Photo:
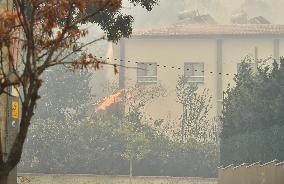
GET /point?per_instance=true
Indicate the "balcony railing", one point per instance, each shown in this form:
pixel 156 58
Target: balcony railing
pixel 195 79
pixel 147 79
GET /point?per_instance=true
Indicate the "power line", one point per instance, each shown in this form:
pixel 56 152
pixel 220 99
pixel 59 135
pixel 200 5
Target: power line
pixel 182 67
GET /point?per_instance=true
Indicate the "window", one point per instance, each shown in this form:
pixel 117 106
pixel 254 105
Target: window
pixel 194 72
pixel 147 72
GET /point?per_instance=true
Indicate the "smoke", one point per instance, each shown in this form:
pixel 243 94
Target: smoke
pixel 168 10
pixel 270 9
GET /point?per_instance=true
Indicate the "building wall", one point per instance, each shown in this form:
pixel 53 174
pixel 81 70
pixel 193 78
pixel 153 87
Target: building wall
pixel 169 53
pixel 268 173
pixel 2 118
pixel 281 47
pixel 235 50
pixel 220 58
pixel 2 98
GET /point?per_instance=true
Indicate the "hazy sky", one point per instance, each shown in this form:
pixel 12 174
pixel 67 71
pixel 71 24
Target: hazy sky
pixel 168 10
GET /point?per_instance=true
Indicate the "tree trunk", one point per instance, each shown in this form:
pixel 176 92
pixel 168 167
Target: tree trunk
pixel 130 171
pixel 130 168
pixel 4 179
pixel 183 121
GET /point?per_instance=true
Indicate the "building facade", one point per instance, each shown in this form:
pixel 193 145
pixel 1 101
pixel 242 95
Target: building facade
pixel 208 54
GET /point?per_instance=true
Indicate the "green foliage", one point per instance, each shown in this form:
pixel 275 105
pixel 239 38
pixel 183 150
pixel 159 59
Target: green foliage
pixel 95 147
pixel 148 4
pixel 168 158
pixel 72 146
pixel 105 145
pixel 64 92
pixel 196 106
pixel 116 24
pixel 253 116
pixel 256 102
pixel 112 21
pixel 259 146
pixel 136 144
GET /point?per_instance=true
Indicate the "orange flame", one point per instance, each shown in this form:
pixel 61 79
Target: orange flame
pixel 108 101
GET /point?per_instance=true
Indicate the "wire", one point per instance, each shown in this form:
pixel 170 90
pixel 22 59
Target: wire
pixel 187 69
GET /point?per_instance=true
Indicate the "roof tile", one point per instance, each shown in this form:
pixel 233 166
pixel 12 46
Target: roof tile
pixel 209 29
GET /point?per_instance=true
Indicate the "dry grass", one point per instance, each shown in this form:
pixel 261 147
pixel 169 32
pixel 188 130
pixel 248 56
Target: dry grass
pixel 91 179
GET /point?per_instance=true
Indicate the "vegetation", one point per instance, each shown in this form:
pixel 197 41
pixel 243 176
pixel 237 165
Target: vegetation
pixel 256 102
pixel 135 142
pixel 47 33
pixel 196 106
pixel 259 146
pixel 99 147
pixel 111 143
pixel 253 109
pixel 64 93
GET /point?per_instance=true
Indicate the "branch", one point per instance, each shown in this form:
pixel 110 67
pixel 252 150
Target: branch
pixel 80 48
pixel 19 94
pixel 58 40
pixel 93 62
pixel 85 18
pixel 7 93
pixel 22 19
pixel 27 113
pixel 69 25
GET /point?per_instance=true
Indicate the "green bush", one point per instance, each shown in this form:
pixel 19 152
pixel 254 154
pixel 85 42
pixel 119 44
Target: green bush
pixel 256 102
pixel 89 147
pixel 259 146
pixel 253 116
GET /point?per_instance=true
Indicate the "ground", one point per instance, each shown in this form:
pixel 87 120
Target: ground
pixel 91 179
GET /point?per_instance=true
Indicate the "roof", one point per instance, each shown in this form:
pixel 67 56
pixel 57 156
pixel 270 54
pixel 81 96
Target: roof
pixel 258 20
pixel 245 30
pixel 200 19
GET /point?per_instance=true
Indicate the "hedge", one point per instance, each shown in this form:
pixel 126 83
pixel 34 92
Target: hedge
pixel 259 146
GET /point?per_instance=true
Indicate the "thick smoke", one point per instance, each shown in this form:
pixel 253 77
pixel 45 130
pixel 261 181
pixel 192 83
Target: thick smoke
pixel 222 10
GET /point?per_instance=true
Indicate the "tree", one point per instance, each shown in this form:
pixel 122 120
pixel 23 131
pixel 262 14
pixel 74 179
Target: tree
pixel 96 140
pixel 253 115
pixel 47 34
pixel 73 146
pixel 256 101
pixel 60 141
pixel 64 92
pixel 88 146
pixel 136 144
pixel 105 145
pixel 133 130
pixel 141 95
pixel 194 118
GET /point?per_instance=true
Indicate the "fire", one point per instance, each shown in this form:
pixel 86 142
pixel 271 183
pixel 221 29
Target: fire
pixel 108 101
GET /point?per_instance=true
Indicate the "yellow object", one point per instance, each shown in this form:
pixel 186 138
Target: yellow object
pixel 15 109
